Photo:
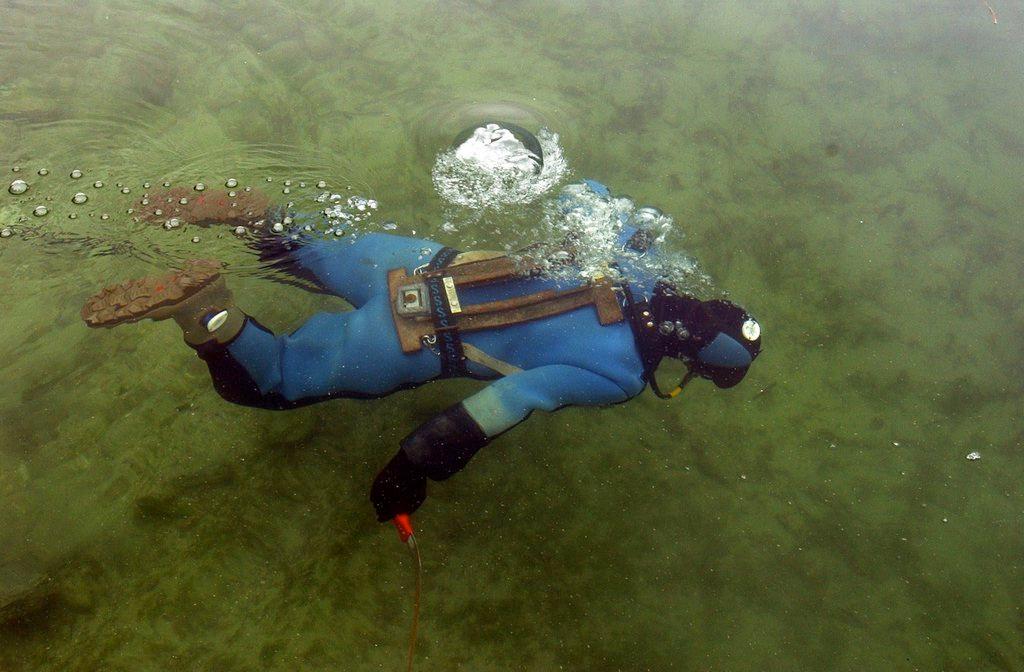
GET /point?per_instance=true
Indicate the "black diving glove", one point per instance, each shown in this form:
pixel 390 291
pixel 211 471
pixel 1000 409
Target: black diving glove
pixel 400 487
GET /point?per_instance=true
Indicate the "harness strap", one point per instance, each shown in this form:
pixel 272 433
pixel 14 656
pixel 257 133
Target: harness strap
pixel 426 308
pixel 449 343
pixel 443 257
pixel 475 354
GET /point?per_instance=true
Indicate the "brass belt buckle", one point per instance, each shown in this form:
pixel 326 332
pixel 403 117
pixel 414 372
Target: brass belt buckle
pixel 411 300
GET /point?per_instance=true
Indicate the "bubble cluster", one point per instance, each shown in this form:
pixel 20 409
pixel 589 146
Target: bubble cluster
pixel 6 232
pixel 480 185
pixel 18 187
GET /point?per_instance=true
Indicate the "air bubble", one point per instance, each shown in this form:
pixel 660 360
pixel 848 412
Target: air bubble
pixel 199 186
pixel 270 179
pixel 130 210
pixel 372 204
pixel 339 233
pixel 172 223
pixel 278 227
pixel 239 230
pixel 287 183
pixel 98 184
pixel 166 184
pixel 158 212
pixel 125 190
pixel 104 216
pixel 40 211
pixel 195 239
pixel 79 198
pixel 389 226
pixel 302 184
pixel 144 201
pixel 286 190
pixel 232 194
pixel 182 201
pixel 321 185
pixel 75 174
pixel 18 187
pixel 145 185
pixel 248 189
pixel 6 233
pixel 44 172
pixel 231 183
pixel 16 169
pixel 73 215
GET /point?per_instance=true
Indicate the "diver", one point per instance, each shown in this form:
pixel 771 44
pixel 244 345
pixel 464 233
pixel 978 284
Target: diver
pixel 424 312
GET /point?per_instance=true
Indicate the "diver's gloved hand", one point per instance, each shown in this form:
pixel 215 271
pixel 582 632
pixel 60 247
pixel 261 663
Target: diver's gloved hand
pixel 400 487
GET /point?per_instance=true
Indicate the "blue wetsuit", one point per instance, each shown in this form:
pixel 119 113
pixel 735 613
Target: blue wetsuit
pixel 567 359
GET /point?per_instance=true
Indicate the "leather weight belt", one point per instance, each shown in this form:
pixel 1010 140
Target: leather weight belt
pixel 427 311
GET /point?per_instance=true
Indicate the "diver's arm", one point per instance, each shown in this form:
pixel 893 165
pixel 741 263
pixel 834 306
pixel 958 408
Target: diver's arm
pixel 443 445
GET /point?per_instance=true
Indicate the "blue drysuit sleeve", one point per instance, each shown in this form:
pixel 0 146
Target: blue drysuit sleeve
pixel 444 444
pixel 508 401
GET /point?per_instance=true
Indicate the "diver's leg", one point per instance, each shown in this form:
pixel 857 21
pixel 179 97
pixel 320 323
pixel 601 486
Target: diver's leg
pixel 195 297
pixel 353 267
pixel 351 354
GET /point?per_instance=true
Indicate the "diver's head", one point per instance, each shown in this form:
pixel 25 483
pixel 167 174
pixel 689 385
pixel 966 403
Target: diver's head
pixel 500 145
pixel 717 339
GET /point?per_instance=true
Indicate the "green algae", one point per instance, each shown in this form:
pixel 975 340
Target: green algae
pixel 849 171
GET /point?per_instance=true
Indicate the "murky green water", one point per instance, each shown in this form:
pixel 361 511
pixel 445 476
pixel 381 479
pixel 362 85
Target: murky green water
pixel 850 171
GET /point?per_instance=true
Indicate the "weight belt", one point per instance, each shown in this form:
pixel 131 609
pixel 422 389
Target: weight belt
pixel 426 308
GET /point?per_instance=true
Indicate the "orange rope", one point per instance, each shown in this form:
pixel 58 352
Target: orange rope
pixel 415 548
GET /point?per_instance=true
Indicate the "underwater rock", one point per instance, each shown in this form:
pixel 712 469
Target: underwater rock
pixel 23 592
